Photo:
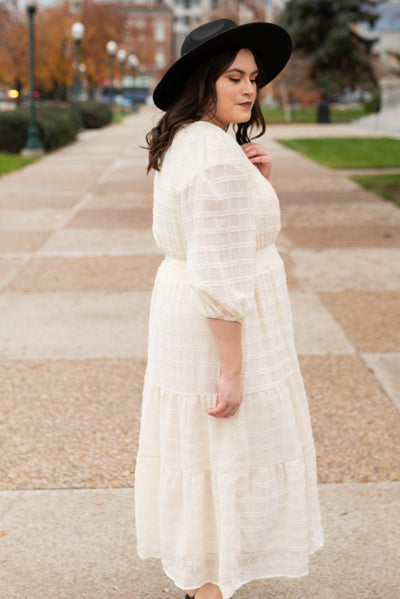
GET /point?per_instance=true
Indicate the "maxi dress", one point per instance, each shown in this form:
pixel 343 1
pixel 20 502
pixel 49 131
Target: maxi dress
pixel 222 500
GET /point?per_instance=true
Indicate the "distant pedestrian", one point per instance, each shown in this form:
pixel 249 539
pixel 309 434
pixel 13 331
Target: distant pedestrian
pixel 225 487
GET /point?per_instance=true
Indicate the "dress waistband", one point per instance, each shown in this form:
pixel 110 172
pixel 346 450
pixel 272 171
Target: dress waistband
pixel 266 258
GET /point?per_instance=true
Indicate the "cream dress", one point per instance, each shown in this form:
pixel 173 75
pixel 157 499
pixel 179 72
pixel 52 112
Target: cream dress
pixel 222 500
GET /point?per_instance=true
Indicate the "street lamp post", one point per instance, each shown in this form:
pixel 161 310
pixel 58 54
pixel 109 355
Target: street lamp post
pixel 77 31
pixel 111 48
pixel 133 63
pixel 121 56
pixel 33 146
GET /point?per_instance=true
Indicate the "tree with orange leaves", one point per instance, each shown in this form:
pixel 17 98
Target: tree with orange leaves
pixel 54 50
pixel 54 47
pixel 13 47
pixel 102 23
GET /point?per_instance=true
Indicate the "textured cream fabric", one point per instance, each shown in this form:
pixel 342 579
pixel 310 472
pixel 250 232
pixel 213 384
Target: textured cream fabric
pixel 222 500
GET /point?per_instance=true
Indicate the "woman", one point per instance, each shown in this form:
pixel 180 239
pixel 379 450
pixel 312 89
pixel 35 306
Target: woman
pixel 225 488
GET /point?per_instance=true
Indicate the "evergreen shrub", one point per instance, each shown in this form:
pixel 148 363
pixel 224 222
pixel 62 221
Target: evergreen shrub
pixel 57 126
pixel 374 104
pixel 95 114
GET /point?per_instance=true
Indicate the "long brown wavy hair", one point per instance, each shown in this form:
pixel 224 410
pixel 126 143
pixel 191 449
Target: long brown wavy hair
pixel 197 99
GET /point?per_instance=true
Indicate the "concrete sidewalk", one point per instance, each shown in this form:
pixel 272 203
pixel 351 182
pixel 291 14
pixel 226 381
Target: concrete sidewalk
pixel 77 262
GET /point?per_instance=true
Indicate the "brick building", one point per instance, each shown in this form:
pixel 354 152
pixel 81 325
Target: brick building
pixel 148 35
pixel 155 29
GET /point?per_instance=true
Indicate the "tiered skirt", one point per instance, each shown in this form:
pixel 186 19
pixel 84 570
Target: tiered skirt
pixel 225 500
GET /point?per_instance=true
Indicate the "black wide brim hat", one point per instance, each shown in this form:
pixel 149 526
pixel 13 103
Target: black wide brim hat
pixel 271 44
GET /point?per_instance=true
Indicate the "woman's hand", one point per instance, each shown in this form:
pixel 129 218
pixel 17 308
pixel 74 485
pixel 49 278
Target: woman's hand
pixel 260 157
pixel 230 394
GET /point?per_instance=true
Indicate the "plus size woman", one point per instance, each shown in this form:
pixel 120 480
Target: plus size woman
pixel 225 485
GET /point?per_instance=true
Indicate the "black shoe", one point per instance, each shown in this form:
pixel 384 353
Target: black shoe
pixel 189 597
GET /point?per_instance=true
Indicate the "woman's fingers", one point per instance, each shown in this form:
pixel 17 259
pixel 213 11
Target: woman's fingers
pixel 223 410
pixel 220 411
pixel 256 150
pixel 259 159
pixel 252 149
pixel 229 396
pixel 259 156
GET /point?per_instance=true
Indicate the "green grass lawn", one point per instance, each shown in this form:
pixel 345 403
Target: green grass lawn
pixel 12 162
pixel 349 152
pixel 308 115
pixel 387 186
pixel 117 117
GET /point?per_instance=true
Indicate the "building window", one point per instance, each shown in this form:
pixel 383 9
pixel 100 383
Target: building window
pixel 159 31
pixel 159 58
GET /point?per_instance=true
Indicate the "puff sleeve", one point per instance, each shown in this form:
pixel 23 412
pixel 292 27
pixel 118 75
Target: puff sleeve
pixel 219 228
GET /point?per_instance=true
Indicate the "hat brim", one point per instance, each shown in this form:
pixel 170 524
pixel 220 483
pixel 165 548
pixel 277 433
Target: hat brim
pixel 271 43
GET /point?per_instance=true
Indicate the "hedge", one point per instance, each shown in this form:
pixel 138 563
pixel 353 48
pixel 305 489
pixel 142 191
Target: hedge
pixel 58 125
pixel 13 131
pixel 95 115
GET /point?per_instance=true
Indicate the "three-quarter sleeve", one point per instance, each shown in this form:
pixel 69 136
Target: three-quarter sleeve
pixel 219 227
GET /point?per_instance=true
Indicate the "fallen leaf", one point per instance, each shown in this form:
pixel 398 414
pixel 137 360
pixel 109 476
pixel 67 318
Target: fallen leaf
pixel 3 533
